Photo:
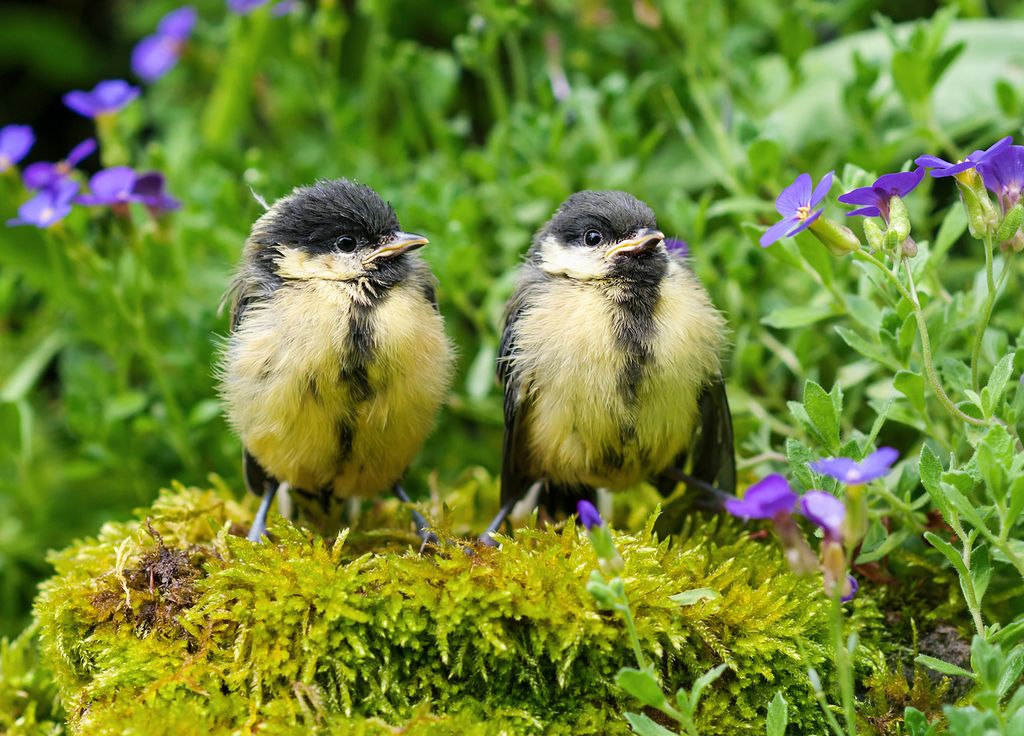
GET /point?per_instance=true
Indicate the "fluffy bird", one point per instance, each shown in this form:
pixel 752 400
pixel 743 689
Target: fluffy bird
pixel 610 361
pixel 337 361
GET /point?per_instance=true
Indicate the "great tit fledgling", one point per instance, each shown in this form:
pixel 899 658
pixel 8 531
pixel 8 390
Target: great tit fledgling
pixel 610 361
pixel 337 361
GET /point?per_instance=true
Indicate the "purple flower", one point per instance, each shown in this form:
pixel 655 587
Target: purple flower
pixel 149 190
pixel 854 587
pixel 876 197
pixel 43 174
pixel 109 186
pixel 765 499
pixel 588 515
pixel 940 167
pixel 244 6
pixel 106 98
pixel 48 206
pixel 826 511
pixel 1003 174
pixel 15 143
pixel 795 204
pixel 284 8
pixel 155 55
pixel 852 473
pixel 677 247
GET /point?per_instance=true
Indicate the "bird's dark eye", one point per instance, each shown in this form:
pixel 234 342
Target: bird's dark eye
pixel 592 238
pixel 345 244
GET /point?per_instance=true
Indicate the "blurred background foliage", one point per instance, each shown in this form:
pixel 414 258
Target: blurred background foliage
pixel 475 119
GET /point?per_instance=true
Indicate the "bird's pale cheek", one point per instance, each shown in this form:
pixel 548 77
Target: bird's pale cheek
pixel 300 265
pixel 577 262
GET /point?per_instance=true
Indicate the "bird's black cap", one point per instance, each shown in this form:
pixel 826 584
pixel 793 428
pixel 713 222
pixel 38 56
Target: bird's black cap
pixel 616 215
pixel 317 215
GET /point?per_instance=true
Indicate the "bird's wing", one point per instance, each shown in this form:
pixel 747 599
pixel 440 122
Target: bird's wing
pixel 714 456
pixel 712 461
pixel 514 473
pixel 256 477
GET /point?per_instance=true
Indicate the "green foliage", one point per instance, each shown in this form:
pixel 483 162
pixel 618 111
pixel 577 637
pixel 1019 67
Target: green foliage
pixel 178 616
pixel 27 691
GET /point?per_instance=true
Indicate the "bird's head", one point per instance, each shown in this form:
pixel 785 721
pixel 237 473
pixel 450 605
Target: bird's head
pixel 599 235
pixel 334 230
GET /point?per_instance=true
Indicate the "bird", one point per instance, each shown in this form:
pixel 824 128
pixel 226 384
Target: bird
pixel 611 363
pixel 337 361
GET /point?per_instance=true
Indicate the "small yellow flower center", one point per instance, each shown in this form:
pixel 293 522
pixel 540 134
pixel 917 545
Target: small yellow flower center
pixel 5 162
pixel 63 168
pixel 802 213
pixel 46 215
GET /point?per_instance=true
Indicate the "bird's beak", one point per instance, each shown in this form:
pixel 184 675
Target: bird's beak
pixel 643 241
pixel 400 243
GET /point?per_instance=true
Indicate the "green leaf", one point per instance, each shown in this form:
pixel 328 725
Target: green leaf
pixel 911 385
pixel 949 551
pixel 867 349
pixel 822 413
pixel 864 311
pixel 915 723
pixel 931 478
pixel 981 571
pixel 1012 669
pixel 778 716
pixel 702 682
pixel 791 317
pixel 953 226
pixel 944 667
pixel 644 726
pixel 690 597
pixel 890 543
pixel 998 382
pixel 28 370
pixel 642 686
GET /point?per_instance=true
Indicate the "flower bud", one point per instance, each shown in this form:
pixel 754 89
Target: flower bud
pixel 899 220
pixel 909 248
pixel 855 523
pixel 833 565
pixel 981 213
pixel 873 233
pixel 839 239
pixel 799 556
pixel 1011 223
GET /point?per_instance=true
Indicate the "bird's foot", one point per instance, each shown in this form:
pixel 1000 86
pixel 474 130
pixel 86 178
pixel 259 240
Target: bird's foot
pixel 258 530
pixel 427 537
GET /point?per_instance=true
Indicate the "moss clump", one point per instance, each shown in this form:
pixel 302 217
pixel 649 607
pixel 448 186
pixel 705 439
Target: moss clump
pixel 27 693
pixel 177 625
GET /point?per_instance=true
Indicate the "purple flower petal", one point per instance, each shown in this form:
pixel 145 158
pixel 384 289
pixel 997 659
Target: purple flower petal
pixel 778 231
pixel 850 472
pixel 81 152
pixel 854 587
pixel 865 212
pixel 178 23
pixel 44 209
pixel 284 8
pixel 677 247
pixel 768 497
pixel 1003 174
pixel 110 186
pixel 149 190
pixel 107 97
pixel 588 515
pixel 796 195
pixel 824 510
pixel 804 224
pixel 15 143
pixel 154 56
pixel 861 195
pixel 899 184
pixel 244 6
pixel 822 189
pixel 40 174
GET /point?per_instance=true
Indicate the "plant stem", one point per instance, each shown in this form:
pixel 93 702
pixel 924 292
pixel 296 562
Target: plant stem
pixel 926 344
pixel 843 669
pixel 986 313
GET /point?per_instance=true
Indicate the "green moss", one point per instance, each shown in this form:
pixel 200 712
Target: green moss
pixel 180 623
pixel 27 692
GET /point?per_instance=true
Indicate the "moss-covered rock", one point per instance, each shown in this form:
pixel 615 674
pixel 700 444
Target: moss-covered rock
pixel 177 625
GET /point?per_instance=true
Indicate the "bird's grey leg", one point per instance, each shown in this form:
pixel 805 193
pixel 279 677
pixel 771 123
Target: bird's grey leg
pixel 496 522
pixel 714 498
pixel 258 530
pixel 422 527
